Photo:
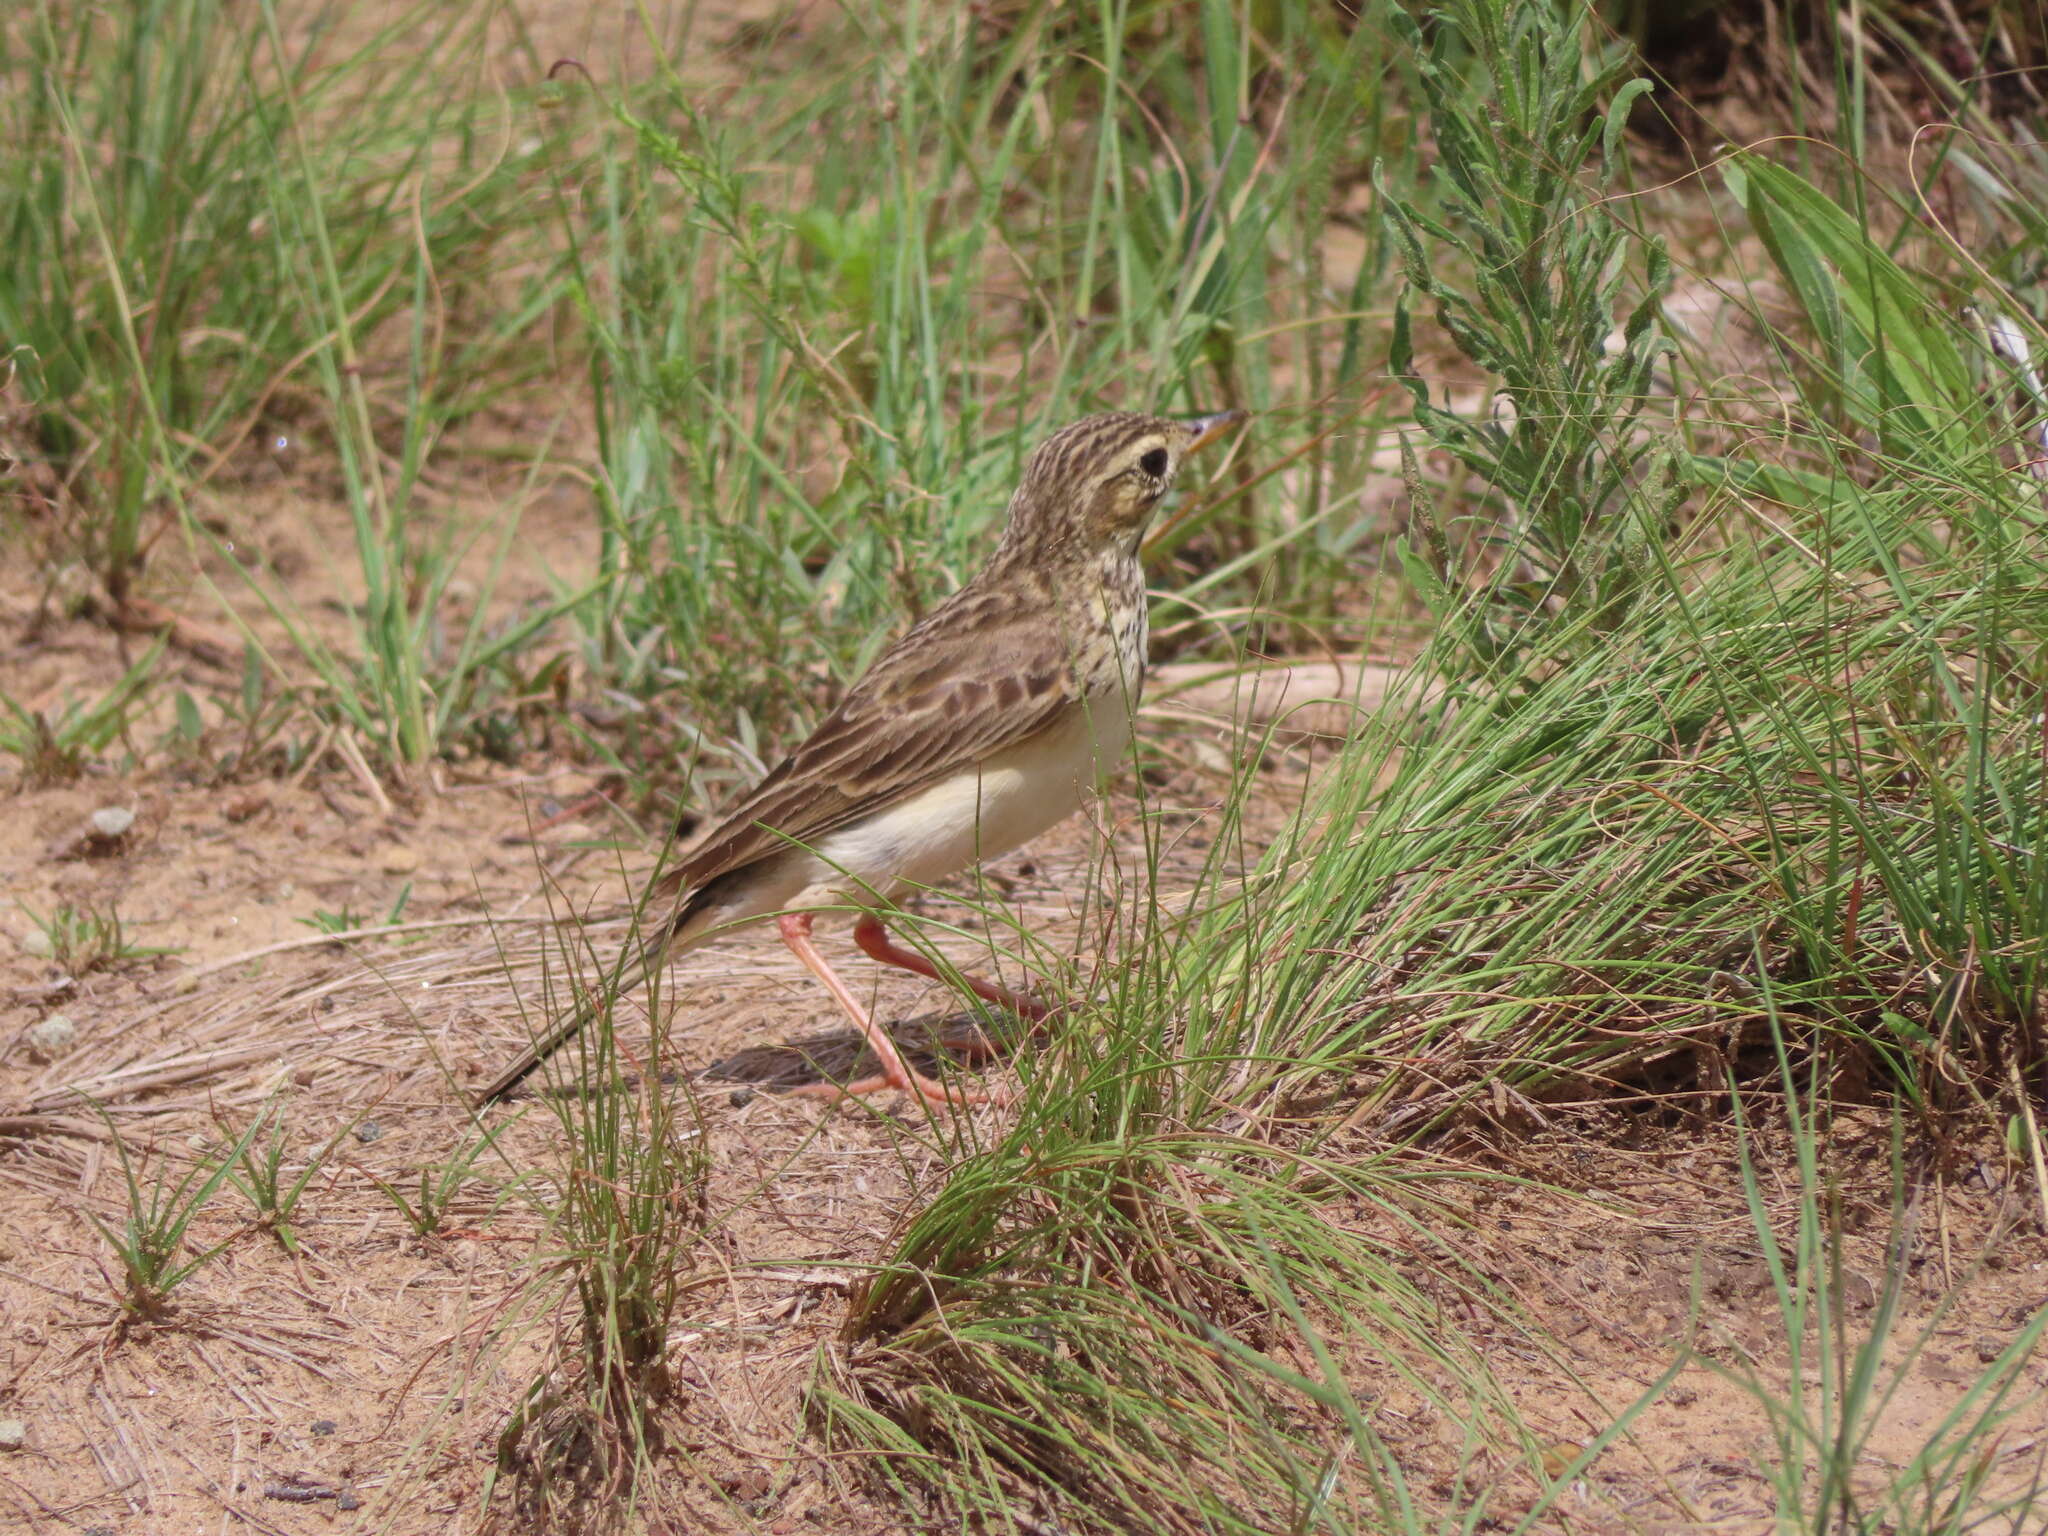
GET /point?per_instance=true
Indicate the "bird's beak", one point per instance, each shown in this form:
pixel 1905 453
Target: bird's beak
pixel 1207 429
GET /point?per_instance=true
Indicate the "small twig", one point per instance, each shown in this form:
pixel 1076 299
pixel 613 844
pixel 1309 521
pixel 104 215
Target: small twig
pixel 162 1076
pixel 140 616
pixel 352 754
pixel 314 941
pixel 119 1422
pixel 97 1302
pixel 49 1125
pixel 313 757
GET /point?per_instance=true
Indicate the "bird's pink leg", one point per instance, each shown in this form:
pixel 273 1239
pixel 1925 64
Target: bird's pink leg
pixel 896 1072
pixel 871 936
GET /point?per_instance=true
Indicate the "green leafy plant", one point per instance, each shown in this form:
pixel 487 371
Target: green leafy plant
pixel 630 1207
pixel 150 1244
pixel 86 937
pixel 425 1210
pixel 1525 271
pixel 55 747
pixel 249 734
pixel 348 920
pixel 262 1173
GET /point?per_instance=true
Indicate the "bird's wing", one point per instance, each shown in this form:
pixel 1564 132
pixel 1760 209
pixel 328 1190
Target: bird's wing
pixel 955 690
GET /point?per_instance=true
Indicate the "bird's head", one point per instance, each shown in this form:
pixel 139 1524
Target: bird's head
pixel 1091 489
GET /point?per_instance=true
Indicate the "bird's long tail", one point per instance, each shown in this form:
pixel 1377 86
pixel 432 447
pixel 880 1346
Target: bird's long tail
pixel 682 931
pixel 562 1031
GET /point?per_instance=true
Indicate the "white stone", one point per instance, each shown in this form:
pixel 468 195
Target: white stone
pixel 52 1037
pixel 112 820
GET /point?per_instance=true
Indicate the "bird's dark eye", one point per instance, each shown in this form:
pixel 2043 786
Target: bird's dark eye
pixel 1154 463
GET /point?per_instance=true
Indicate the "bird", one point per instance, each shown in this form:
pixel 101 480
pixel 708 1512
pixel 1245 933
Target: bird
pixel 989 721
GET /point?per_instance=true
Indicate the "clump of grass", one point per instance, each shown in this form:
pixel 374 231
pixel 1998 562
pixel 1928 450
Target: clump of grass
pixel 630 1205
pixel 1141 1266
pixel 347 920
pixel 84 937
pixel 1838 1385
pixel 155 312
pixel 405 690
pixel 128 222
pixel 150 1244
pixel 1072 1328
pixel 263 1174
pixel 426 1209
pixel 53 748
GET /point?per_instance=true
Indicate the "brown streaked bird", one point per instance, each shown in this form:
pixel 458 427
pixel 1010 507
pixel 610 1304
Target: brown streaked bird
pixel 988 722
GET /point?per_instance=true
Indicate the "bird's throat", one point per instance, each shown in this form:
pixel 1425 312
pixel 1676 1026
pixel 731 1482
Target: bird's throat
pixel 1115 652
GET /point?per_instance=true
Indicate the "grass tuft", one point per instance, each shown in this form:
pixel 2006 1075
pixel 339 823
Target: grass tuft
pixel 629 1210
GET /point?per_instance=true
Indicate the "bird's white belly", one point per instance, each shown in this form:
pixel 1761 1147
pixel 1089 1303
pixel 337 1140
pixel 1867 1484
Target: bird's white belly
pixel 977 813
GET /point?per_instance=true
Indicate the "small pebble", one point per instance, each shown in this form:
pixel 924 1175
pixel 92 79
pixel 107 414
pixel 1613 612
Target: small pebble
pixel 1558 1457
pixel 740 1098
pixel 305 1077
pixel 368 1132
pixel 36 942
pixel 52 1038
pixel 243 807
pixel 748 1485
pixel 346 1499
pixel 399 860
pixel 1989 1350
pixel 112 821
pixel 322 1427
pixel 13 1434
